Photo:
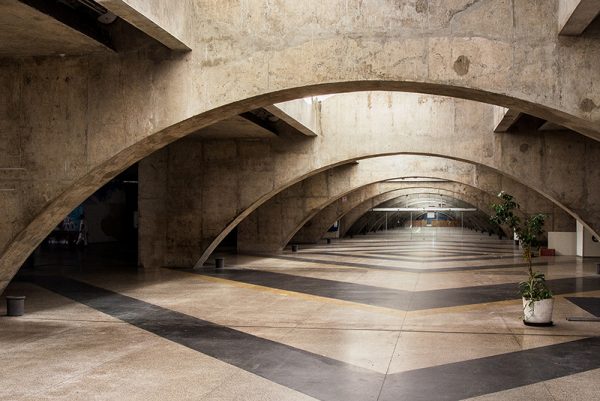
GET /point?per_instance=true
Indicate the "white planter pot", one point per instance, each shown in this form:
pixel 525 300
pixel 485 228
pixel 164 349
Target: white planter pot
pixel 538 313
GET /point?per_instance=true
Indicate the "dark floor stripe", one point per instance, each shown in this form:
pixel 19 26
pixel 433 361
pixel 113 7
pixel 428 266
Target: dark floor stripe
pixel 449 247
pixel 462 251
pixel 414 259
pixel 589 304
pixel 328 379
pixel 389 248
pixel 312 374
pixel 396 299
pixel 397 268
pixel 409 243
pixel 457 381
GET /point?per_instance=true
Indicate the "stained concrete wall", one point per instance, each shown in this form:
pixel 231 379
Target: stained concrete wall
pixel 112 110
pixel 165 21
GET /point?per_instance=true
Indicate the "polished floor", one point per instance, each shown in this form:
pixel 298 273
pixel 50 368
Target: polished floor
pixel 431 314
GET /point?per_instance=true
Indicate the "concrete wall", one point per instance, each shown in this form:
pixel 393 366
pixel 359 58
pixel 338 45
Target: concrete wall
pixel 564 243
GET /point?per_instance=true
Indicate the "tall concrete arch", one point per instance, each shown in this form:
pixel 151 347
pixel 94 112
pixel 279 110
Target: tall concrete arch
pixel 118 109
pixel 316 228
pixel 529 157
pixel 270 227
pixel 376 194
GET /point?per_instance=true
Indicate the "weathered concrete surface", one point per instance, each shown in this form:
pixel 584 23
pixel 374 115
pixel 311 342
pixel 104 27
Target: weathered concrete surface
pixel 304 116
pixel 114 110
pixel 163 21
pixel 504 118
pixel 574 16
pixel 26 31
pixel 152 199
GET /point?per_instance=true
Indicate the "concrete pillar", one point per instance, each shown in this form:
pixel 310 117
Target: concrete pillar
pixel 152 207
pixel 587 244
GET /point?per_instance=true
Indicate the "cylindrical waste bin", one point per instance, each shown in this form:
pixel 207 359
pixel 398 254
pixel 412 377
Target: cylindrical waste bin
pixel 597 268
pixel 15 305
pixel 294 248
pixel 328 240
pixel 219 263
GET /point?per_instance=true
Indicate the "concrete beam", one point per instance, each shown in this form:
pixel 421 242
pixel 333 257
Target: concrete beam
pixel 550 126
pixel 279 123
pixel 158 19
pixel 505 119
pixel 298 114
pixel 47 28
pixel 574 16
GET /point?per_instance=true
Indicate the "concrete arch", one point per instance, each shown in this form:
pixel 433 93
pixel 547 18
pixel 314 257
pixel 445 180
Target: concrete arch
pixel 320 223
pixel 353 216
pixel 478 222
pixel 423 195
pixel 368 222
pixel 460 193
pixel 270 227
pixel 232 78
pixel 548 163
pixel 324 156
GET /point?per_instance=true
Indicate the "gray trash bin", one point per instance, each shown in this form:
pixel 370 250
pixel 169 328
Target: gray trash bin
pixel 15 305
pixel 219 263
pixel 294 248
pixel 597 268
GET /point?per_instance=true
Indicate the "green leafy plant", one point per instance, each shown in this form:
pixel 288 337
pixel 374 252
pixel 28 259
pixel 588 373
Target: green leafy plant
pixel 528 232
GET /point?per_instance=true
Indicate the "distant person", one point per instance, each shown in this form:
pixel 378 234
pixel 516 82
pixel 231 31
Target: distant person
pixel 82 237
pixel 68 224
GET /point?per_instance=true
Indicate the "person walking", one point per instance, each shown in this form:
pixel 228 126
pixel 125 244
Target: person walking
pixel 82 237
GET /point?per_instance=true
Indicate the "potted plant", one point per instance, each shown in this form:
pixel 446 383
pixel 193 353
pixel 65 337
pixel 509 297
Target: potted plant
pixel 537 297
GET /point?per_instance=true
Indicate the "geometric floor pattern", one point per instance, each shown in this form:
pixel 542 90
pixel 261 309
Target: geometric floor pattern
pixel 429 315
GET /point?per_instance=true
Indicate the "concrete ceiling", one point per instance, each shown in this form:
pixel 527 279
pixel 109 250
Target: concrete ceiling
pixel 25 31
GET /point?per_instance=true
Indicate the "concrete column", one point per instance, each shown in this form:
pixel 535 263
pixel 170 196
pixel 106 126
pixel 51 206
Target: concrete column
pixel 152 206
pixel 588 245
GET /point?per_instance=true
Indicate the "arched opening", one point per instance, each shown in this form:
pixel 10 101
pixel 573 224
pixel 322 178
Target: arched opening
pixel 32 235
